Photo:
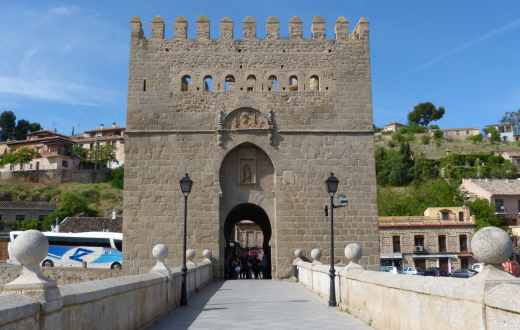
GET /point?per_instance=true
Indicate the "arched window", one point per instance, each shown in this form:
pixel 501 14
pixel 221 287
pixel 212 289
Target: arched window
pixel 274 84
pixel 251 82
pixel 208 83
pixel 229 81
pixel 293 83
pixel 185 83
pixel 314 83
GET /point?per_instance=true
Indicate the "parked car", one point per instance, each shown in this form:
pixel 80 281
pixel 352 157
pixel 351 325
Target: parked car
pixel 435 271
pixel 464 273
pixel 410 271
pixel 389 269
pixel 477 267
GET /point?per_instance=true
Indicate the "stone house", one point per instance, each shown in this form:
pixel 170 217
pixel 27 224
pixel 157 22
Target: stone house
pixel 114 136
pixel 460 133
pixel 259 123
pixel 55 152
pixel 439 238
pixel 507 131
pixel 392 127
pixel 504 194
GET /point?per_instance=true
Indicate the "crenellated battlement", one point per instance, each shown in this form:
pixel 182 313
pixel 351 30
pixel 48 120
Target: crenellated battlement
pixel 249 29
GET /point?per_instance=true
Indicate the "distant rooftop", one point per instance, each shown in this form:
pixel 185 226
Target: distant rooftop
pixel 495 186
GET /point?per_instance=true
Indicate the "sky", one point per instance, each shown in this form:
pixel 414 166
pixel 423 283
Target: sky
pixel 65 63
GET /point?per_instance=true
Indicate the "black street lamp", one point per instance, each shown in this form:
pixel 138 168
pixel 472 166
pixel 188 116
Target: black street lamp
pixel 186 184
pixel 332 187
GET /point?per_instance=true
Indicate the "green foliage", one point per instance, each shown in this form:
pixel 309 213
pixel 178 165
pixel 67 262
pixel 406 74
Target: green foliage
pixel 393 166
pixel 455 167
pixel 484 214
pixel 413 128
pixel 10 129
pixel 438 136
pixel 7 125
pixel 69 204
pixel 424 113
pixel 476 139
pixel 494 136
pixel 28 224
pixel 116 177
pixel 21 156
pixel 414 199
pixel 426 139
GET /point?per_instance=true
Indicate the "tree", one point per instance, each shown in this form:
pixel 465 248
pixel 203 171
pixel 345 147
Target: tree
pixel 34 127
pixel 21 130
pixel 476 139
pixel 7 125
pixel 424 113
pixel 484 214
pixel 21 156
pixel 69 204
pixel 426 139
pixel 492 133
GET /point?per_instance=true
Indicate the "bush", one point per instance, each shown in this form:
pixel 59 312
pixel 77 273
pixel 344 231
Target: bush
pixel 414 199
pixel 484 214
pixel 426 139
pixel 476 139
pixel 116 177
pixel 69 204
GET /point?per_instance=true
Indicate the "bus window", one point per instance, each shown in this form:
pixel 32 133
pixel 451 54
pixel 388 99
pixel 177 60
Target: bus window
pixel 79 241
pixel 119 245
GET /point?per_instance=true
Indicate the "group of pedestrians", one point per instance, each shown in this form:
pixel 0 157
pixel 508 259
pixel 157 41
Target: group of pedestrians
pixel 247 266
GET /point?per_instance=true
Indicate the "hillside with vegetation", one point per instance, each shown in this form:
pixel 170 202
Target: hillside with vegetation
pixel 417 167
pixel 71 199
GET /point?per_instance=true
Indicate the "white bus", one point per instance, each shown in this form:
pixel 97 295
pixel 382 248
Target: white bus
pixel 90 249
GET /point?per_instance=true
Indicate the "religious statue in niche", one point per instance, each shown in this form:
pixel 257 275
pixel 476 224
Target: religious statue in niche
pixel 247 171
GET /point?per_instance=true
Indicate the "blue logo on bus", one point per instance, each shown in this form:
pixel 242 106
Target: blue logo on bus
pixel 80 253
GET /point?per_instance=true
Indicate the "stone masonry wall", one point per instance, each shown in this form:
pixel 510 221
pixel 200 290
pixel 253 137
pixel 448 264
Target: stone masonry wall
pixel 309 133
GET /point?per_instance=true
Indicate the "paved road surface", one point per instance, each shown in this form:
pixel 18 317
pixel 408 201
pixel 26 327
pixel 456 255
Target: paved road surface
pixel 255 304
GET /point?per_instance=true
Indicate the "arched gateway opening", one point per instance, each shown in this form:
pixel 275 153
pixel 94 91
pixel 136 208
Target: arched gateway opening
pixel 246 208
pixel 239 248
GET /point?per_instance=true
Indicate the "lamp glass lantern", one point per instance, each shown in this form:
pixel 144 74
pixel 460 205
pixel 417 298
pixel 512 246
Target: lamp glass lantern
pixel 186 184
pixel 332 184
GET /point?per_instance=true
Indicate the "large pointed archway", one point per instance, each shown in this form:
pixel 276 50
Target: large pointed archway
pixel 247 182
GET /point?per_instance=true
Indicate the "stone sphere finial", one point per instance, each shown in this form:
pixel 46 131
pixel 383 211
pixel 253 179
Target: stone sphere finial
pixel 316 254
pixel 206 253
pixel 353 252
pixel 491 245
pixel 30 248
pixel 190 254
pixel 160 252
pixel 298 253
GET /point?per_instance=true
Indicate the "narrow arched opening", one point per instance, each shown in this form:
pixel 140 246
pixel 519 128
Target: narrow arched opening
pixel 274 84
pixel 208 83
pixel 314 83
pixel 229 81
pixel 293 83
pixel 185 83
pixel 251 83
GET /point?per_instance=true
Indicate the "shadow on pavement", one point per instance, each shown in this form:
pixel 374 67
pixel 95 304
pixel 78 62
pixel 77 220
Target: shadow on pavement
pixel 183 317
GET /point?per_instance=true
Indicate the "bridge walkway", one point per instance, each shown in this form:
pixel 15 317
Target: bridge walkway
pixel 257 304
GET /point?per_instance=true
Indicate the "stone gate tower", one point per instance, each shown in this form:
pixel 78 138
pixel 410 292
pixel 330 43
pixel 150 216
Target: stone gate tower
pixel 258 123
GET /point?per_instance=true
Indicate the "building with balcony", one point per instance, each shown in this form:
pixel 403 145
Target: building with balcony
pixel 114 136
pixel 504 194
pixel 439 238
pixel 54 149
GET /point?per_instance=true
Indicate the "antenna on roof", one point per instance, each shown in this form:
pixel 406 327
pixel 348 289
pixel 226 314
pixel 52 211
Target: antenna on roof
pixel 72 134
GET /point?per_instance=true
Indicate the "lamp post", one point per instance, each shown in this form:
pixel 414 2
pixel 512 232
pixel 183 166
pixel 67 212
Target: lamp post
pixel 186 184
pixel 332 187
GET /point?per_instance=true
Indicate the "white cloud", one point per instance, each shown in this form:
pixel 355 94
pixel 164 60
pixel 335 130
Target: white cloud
pixel 64 10
pixel 70 60
pixel 490 34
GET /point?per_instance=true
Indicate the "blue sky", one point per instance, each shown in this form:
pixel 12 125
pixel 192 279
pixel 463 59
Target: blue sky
pixel 65 63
